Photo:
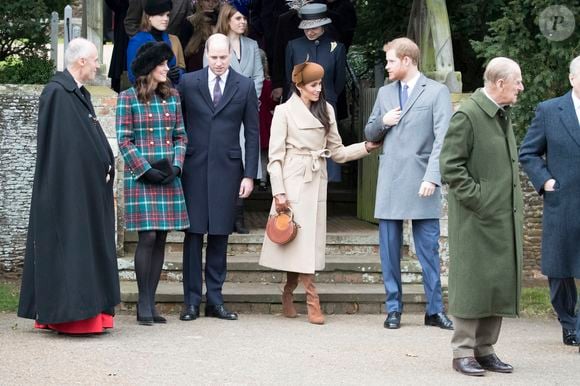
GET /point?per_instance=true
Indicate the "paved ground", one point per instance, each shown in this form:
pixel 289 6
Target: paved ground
pixel 264 349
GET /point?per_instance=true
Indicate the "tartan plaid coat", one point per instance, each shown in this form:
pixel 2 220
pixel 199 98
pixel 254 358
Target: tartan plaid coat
pixel 147 133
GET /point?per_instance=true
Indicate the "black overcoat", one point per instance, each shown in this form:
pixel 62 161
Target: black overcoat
pixel 213 167
pixel 551 149
pixel 70 267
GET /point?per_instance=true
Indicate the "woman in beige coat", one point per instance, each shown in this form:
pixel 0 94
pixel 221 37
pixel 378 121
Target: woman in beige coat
pixel 303 135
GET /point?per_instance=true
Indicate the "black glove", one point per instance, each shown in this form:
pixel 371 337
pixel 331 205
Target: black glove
pixel 169 179
pixel 154 176
pixel 173 74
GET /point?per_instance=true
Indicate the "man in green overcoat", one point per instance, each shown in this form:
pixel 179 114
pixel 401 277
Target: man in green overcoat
pixel 479 162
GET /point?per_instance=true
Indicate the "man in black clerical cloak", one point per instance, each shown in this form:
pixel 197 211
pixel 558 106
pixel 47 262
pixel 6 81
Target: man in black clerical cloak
pixel 70 266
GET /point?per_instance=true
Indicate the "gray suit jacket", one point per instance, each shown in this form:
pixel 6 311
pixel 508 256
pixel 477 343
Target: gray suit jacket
pixel 411 149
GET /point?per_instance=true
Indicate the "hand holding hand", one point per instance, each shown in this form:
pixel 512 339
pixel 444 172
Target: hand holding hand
pixel 392 117
pixel 169 179
pixel 281 203
pixel 370 145
pixel 427 189
pixel 154 176
pixel 550 185
pixel 246 187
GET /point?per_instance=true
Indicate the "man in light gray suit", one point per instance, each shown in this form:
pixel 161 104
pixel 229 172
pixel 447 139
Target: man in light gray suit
pixel 411 116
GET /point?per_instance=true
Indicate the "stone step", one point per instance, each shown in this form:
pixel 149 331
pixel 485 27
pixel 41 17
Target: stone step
pixel 266 298
pixel 362 243
pixel 352 269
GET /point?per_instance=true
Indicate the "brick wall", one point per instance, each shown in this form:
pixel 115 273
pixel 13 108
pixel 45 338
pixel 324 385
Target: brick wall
pixel 18 117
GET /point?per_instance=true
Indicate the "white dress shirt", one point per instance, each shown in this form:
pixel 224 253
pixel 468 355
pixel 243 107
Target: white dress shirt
pixel 211 77
pixel 411 84
pixel 576 102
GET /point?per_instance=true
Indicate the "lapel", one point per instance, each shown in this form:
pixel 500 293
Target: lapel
pixel 417 91
pixel 232 84
pixel 302 117
pixel 568 117
pixel 202 83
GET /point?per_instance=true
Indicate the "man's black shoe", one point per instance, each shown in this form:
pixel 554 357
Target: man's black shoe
pixel 439 320
pixel 189 313
pixel 492 363
pixel 468 366
pixel 569 337
pixel 393 320
pixel 219 311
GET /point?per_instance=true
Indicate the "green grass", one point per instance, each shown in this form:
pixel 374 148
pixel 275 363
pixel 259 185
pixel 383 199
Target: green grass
pixel 8 296
pixel 536 303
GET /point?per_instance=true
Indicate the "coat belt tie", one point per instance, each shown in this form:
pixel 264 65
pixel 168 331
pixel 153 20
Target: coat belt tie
pixel 314 161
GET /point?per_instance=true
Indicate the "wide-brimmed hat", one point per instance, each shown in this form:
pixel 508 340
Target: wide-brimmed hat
pixel 149 56
pixel 313 16
pixel 241 6
pixel 307 72
pixel 157 7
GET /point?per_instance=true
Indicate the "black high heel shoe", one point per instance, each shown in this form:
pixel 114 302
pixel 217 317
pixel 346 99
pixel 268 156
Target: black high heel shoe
pixel 144 320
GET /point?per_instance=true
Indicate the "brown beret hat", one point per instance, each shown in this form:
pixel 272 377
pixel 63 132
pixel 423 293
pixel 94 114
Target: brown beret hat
pixel 307 72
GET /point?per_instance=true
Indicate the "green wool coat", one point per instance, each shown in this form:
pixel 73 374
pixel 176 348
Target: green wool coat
pixel 479 162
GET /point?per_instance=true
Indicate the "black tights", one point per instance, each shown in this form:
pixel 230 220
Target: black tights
pixel 149 258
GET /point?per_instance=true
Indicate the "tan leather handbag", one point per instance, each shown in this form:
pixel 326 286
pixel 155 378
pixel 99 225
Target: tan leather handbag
pixel 281 227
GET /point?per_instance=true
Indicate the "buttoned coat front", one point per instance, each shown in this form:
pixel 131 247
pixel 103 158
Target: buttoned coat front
pixel 299 146
pixel 410 149
pixel 479 161
pixel 146 133
pixel 213 167
pixel 551 149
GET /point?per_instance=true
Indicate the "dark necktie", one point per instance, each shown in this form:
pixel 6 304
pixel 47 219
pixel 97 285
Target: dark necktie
pixel 217 91
pixel 404 95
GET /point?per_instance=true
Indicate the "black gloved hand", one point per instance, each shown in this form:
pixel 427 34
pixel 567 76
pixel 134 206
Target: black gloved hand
pixel 154 176
pixel 169 179
pixel 173 74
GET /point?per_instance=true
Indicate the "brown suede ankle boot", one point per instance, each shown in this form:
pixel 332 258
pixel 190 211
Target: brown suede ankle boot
pixel 288 309
pixel 312 302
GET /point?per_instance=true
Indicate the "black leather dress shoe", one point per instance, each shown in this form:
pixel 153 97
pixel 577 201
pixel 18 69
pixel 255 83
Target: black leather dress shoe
pixel 189 313
pixel 393 320
pixel 439 320
pixel 569 337
pixel 492 363
pixel 468 366
pixel 219 311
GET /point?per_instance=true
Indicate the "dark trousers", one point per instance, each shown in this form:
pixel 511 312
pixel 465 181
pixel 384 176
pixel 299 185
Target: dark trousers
pixel 215 268
pixel 426 237
pixel 564 295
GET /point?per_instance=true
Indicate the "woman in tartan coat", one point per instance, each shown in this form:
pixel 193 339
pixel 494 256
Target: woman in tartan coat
pixel 152 140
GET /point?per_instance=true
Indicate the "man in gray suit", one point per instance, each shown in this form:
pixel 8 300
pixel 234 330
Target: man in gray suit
pixel 411 116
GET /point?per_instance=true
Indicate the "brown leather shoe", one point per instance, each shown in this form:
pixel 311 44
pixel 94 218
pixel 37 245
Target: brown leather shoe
pixel 468 366
pixel 492 363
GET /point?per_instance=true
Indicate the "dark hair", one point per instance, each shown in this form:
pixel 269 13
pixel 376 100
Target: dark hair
pixel 144 88
pixel 318 108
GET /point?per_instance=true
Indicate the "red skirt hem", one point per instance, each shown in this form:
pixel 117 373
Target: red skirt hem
pixel 94 325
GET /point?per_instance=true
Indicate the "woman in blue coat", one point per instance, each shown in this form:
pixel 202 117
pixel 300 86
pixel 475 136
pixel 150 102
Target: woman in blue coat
pixel 152 141
pixel 153 29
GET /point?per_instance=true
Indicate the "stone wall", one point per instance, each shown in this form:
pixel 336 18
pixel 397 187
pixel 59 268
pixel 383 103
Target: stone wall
pixel 18 118
pixel 18 115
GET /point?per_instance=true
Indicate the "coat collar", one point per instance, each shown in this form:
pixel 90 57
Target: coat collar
pixel 486 104
pixel 417 91
pixel 66 80
pixel 301 115
pixel 568 116
pixel 232 85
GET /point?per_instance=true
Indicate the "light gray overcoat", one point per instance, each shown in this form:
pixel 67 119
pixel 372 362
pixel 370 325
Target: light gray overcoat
pixel 411 149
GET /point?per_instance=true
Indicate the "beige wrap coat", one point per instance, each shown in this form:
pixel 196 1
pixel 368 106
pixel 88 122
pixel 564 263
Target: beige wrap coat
pixel 299 146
